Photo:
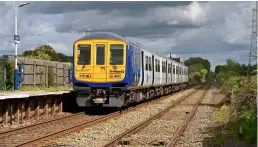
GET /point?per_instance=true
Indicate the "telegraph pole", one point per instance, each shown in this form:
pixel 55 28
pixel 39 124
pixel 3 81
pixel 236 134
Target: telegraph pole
pixel 253 50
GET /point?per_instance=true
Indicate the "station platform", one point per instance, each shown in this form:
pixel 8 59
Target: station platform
pixel 22 106
pixel 26 94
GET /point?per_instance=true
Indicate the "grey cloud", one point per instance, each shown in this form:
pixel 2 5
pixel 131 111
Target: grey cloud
pixel 64 7
pixel 164 19
pixel 214 30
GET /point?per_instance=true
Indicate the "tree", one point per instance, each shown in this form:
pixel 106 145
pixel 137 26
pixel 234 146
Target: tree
pixel 45 52
pixel 204 73
pixel 195 65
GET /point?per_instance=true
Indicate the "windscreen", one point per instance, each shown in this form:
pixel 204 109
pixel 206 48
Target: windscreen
pixel 116 54
pixel 84 54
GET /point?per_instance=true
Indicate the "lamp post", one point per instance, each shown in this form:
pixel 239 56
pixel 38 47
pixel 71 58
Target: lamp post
pixel 16 41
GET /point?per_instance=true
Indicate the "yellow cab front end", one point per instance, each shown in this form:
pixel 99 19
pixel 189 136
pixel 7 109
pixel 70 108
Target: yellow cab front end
pixel 99 61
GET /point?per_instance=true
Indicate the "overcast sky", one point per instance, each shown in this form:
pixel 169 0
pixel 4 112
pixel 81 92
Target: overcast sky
pixel 212 30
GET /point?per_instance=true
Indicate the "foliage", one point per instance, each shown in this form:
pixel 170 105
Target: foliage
pixel 197 60
pixel 9 75
pixel 51 77
pixel 204 73
pixel 196 65
pixel 45 52
pixel 242 91
pixel 196 77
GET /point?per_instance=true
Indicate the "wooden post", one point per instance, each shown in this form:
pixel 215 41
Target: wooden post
pixel 47 84
pixel 34 73
pixel 57 74
pixel 53 105
pixel 22 110
pixel 46 107
pixel 37 108
pixel 11 112
pixel 28 109
pixel 1 110
pixel 64 71
pixel 17 111
pixel 60 110
pixel 5 113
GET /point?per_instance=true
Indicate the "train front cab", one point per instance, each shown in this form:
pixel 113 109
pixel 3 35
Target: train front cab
pixel 98 65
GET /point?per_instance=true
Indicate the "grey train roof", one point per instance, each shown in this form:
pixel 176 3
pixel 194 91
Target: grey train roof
pixel 107 35
pixel 110 35
pixel 102 35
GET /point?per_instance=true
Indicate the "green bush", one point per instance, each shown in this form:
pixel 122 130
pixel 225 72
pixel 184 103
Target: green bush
pixel 242 109
pixel 51 77
pixel 9 75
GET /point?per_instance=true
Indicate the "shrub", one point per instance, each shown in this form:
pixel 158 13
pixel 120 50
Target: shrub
pixel 9 75
pixel 51 77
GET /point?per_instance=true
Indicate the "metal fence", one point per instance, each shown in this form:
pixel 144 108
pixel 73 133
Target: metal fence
pixel 3 73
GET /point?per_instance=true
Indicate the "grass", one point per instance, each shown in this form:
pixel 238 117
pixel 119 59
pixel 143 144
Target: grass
pixel 226 121
pixel 43 88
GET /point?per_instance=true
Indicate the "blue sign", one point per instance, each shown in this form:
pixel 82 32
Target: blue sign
pixel 16 39
pixel 71 74
pixel 22 71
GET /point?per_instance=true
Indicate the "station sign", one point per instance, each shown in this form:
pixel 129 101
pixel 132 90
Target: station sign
pixel 22 72
pixel 16 39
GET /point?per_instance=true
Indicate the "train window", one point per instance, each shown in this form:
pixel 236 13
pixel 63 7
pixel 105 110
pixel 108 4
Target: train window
pixel 164 67
pixel 150 63
pixel 146 63
pixel 100 54
pixel 159 65
pixel 116 54
pixel 84 54
pixel 168 68
pixel 156 66
pixel 173 69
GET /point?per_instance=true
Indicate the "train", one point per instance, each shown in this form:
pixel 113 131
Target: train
pixel 112 71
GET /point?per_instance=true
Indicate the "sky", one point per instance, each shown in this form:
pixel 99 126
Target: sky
pixel 216 31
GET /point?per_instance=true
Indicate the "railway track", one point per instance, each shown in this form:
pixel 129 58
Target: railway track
pixel 124 138
pixel 34 135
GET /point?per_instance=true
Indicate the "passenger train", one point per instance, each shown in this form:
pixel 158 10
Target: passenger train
pixel 111 71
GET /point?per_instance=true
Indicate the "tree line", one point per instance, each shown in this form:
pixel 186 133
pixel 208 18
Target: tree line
pixel 45 52
pixel 199 69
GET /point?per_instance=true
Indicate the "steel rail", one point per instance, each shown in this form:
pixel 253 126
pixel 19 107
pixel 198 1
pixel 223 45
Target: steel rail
pixel 146 122
pixel 35 141
pixel 181 128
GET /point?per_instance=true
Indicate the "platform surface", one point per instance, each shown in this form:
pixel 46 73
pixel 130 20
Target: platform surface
pixel 26 94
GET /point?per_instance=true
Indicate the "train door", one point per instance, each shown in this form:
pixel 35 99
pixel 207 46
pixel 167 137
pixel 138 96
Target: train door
pixel 166 70
pixel 100 52
pixel 153 69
